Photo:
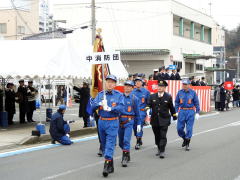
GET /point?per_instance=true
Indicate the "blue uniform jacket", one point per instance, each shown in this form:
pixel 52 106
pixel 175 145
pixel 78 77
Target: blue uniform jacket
pixel 115 101
pixel 143 96
pixel 187 99
pixel 131 108
pixel 57 126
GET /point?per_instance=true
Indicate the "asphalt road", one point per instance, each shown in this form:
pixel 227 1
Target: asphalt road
pixel 214 155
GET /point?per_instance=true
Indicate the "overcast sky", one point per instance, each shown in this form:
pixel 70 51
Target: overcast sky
pixel 225 12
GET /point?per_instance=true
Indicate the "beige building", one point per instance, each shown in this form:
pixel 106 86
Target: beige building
pixel 18 23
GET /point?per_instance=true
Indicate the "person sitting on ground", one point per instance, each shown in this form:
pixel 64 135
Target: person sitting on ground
pixel 59 128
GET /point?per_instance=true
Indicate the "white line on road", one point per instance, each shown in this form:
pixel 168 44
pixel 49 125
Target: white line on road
pixel 145 149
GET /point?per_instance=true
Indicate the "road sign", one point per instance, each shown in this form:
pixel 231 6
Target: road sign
pixel 102 57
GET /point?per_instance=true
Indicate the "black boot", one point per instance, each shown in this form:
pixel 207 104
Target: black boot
pixel 187 148
pixel 129 159
pixel 106 168
pixel 184 142
pixel 162 155
pixel 137 147
pixel 125 159
pixel 100 153
pixel 111 167
pixel 140 141
pixel 53 141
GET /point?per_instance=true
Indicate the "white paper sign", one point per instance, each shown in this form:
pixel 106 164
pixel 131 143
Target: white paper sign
pixel 102 57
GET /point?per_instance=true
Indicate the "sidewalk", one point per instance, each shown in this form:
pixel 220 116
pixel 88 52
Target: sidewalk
pixel 18 134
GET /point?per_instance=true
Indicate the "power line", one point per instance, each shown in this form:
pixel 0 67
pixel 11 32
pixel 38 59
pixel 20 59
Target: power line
pixel 14 7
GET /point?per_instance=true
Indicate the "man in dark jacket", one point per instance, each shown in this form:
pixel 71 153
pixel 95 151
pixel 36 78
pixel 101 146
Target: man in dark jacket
pixel 84 93
pixel 167 74
pixel 236 96
pixel 22 100
pixel 161 104
pixel 10 102
pixel 202 82
pixel 60 129
pixel 222 97
pixel 161 75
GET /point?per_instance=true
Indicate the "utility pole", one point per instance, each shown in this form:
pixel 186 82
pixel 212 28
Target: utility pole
pixel 93 21
pixel 210 8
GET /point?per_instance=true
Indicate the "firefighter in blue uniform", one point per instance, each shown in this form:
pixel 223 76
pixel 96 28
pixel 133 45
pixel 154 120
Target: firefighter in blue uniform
pixel 187 106
pixel 108 123
pixel 143 95
pixel 130 113
pixel 59 128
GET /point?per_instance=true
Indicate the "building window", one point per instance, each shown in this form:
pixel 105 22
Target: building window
pixel 21 30
pixel 3 28
pixel 178 64
pixel 199 67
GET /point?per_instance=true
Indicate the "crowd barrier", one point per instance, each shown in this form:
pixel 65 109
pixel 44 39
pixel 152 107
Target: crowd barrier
pixel 203 92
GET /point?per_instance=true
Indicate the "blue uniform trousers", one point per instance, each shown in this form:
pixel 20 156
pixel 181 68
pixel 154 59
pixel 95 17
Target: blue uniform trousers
pixel 65 140
pixel 108 131
pixel 185 117
pixel 125 134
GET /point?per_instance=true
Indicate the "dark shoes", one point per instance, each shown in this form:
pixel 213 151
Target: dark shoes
pixel 187 148
pixel 100 153
pixel 139 143
pixel 125 158
pixel 108 168
pixel 162 155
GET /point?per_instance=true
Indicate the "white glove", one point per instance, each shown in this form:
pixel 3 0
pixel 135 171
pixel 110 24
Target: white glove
pixel 68 135
pixel 91 118
pixel 177 114
pixel 139 128
pixel 106 108
pixel 197 116
pixel 148 112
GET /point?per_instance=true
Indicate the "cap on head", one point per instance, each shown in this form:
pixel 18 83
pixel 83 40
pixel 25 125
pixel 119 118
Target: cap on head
pixel 130 75
pixel 163 83
pixel 186 81
pixel 62 107
pixel 21 81
pixel 155 70
pixel 138 79
pixel 129 83
pixel 112 77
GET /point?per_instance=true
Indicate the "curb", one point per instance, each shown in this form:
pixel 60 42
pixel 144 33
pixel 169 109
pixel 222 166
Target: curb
pixel 47 137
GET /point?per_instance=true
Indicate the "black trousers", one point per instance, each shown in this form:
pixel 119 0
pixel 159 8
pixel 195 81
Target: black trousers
pixel 22 112
pixel 10 118
pixel 30 115
pixel 160 133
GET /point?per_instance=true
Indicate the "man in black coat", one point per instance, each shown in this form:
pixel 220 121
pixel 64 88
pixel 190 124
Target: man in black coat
pixel 22 100
pixel 222 97
pixel 10 102
pixel 167 76
pixel 84 93
pixel 161 75
pixel 162 110
pixel 202 82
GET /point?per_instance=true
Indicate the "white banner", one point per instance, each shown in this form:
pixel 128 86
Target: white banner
pixel 102 57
